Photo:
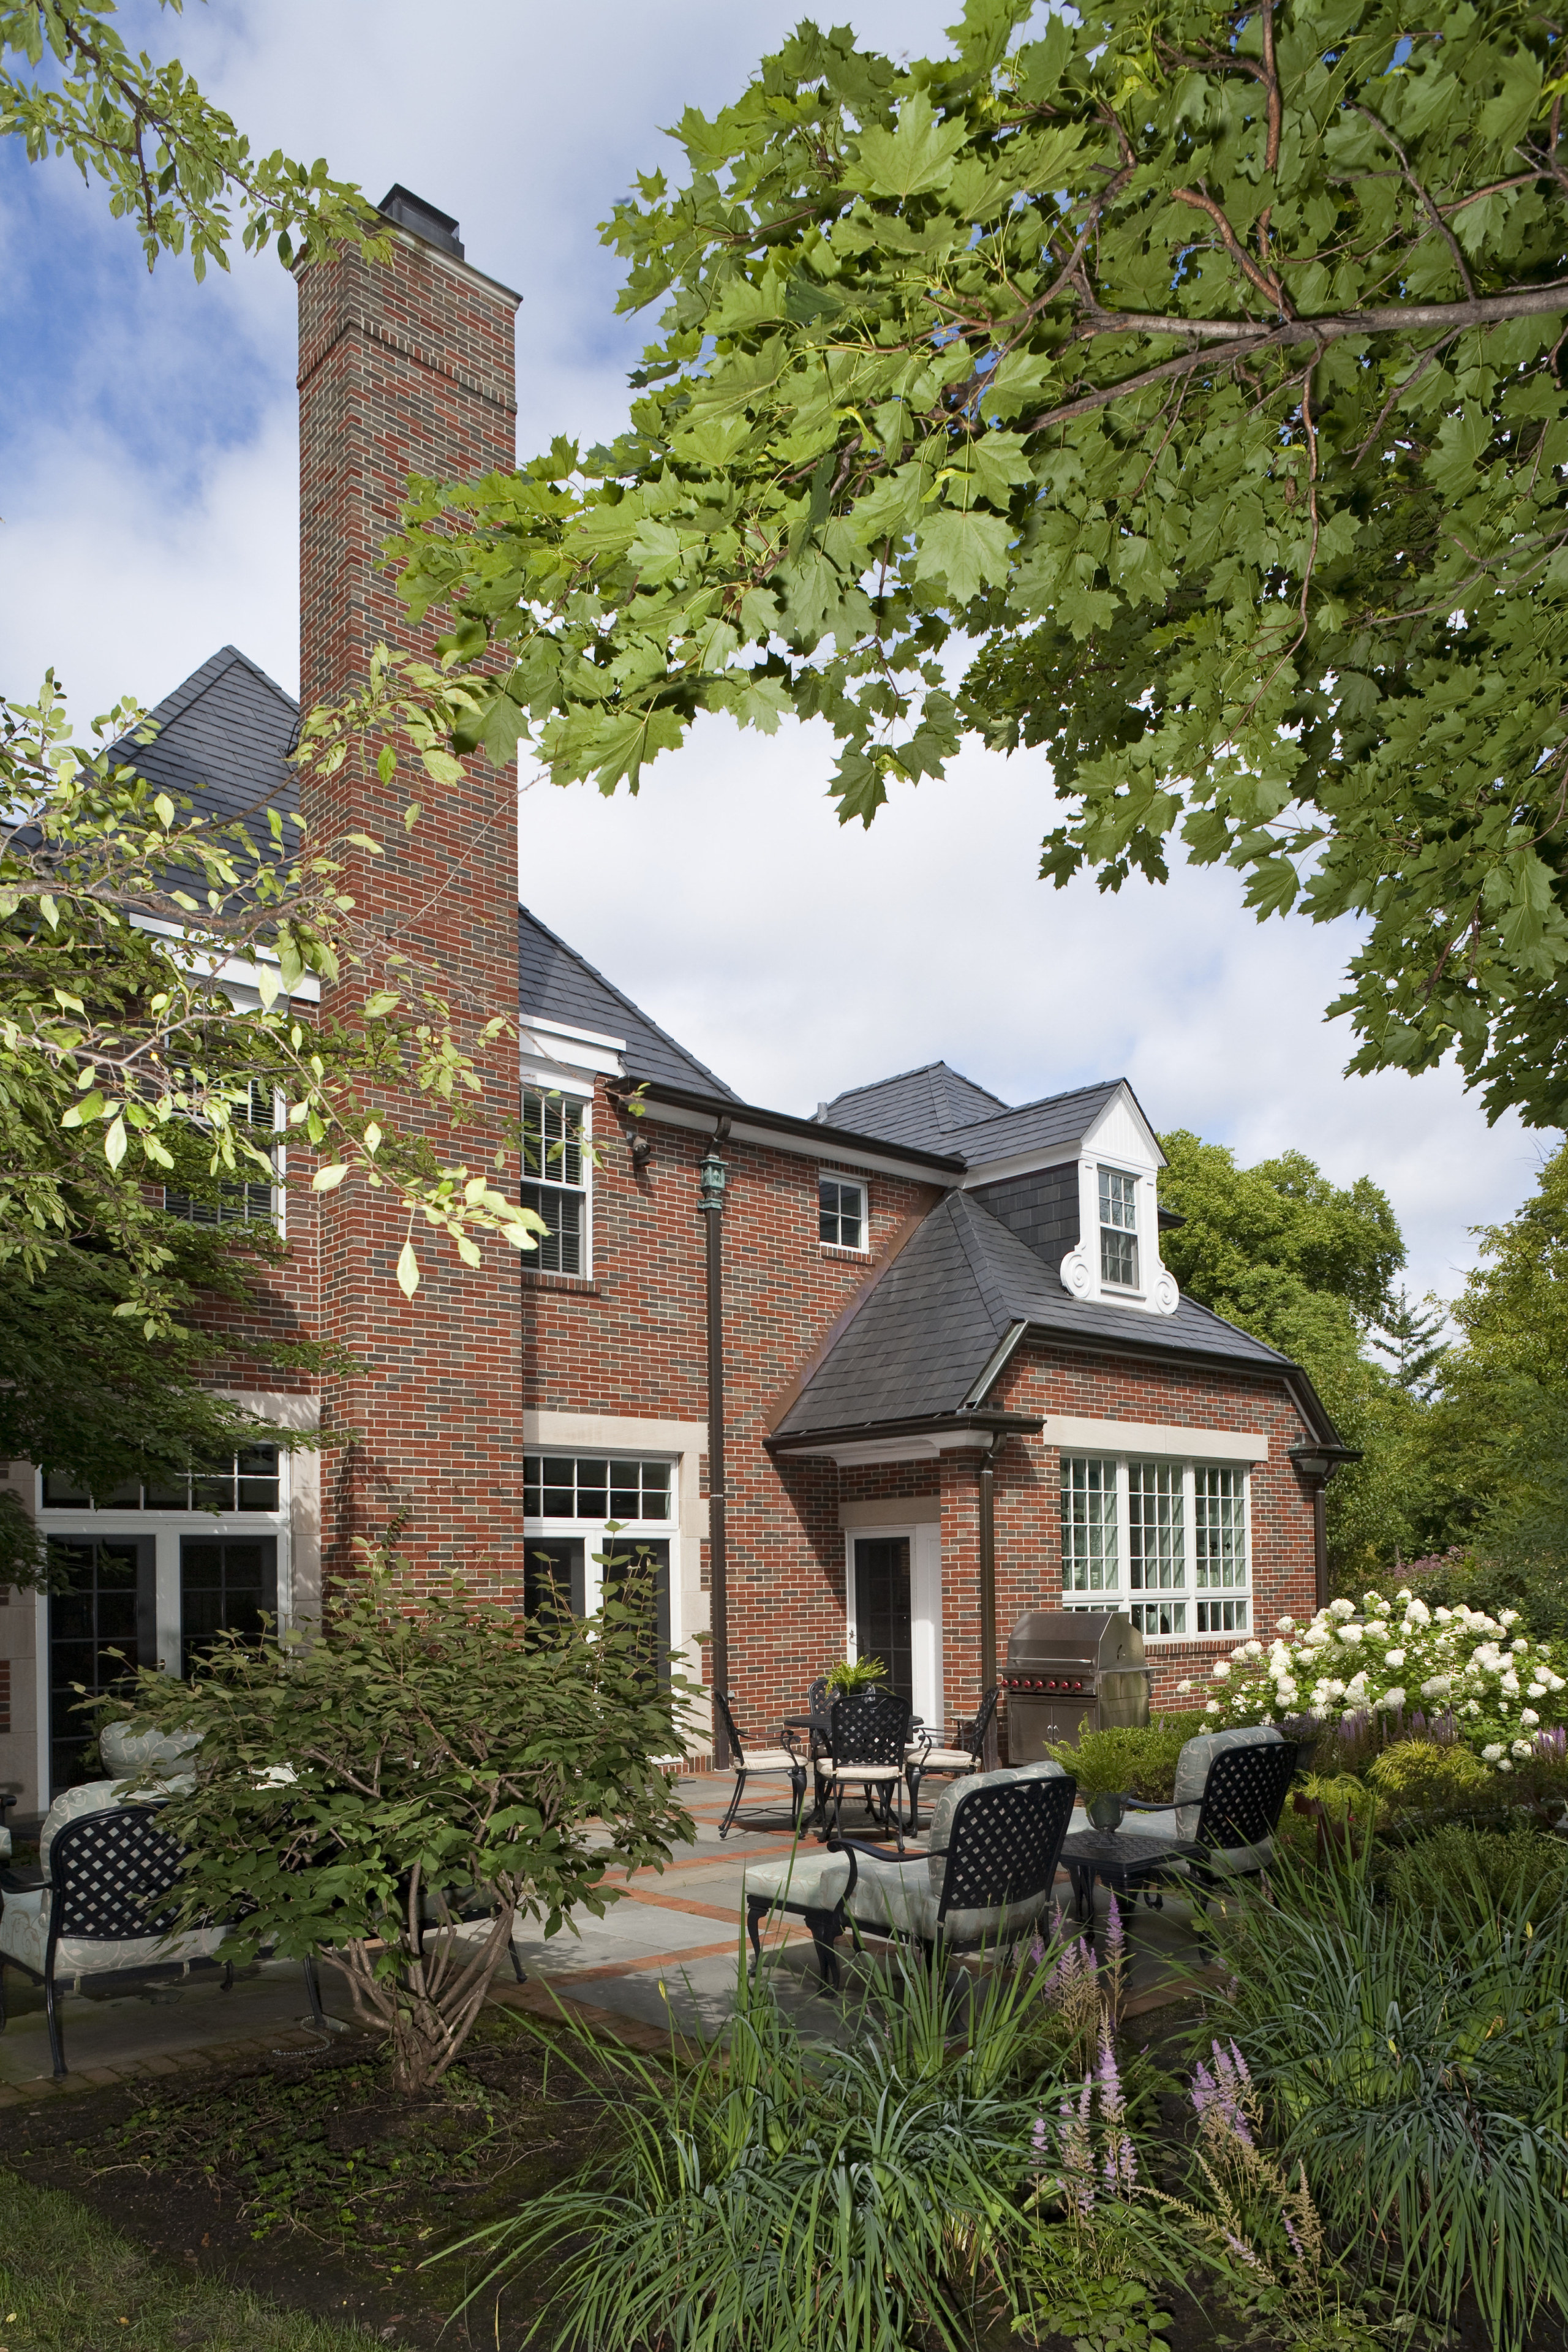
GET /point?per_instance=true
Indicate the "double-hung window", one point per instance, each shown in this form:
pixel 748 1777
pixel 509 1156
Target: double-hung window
pixel 841 1212
pixel 242 1202
pixel 555 1162
pixel 1118 1229
pixel 1167 1541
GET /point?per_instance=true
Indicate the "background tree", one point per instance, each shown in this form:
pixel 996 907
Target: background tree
pixel 1411 1337
pixel 1307 1265
pixel 1204 366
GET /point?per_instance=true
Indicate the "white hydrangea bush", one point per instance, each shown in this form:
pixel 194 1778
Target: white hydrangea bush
pixel 1394 1658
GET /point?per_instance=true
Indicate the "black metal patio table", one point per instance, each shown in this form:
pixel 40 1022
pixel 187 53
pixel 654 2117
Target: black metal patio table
pixel 1125 1861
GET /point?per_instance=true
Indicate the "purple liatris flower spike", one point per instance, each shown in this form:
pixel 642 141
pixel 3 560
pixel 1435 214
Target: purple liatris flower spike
pixel 1039 2138
pixel 1296 2248
pixel 1037 1950
pixel 1115 1935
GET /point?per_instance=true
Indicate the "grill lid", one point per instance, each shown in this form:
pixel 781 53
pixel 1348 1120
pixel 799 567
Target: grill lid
pixel 1051 1643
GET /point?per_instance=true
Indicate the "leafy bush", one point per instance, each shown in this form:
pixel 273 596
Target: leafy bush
pixel 852 1675
pixel 423 1749
pixel 1462 1875
pixel 1536 1590
pixel 1418 2067
pixel 1129 1759
pixel 1424 1776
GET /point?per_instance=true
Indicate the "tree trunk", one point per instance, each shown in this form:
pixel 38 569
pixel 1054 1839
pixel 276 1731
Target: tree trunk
pixel 426 2010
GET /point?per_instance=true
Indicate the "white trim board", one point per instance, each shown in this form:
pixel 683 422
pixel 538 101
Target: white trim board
pixel 1155 1437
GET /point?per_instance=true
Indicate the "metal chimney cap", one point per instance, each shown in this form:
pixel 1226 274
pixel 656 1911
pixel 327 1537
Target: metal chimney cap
pixel 411 212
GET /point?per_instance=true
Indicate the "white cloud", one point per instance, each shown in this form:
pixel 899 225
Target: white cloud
pixel 149 496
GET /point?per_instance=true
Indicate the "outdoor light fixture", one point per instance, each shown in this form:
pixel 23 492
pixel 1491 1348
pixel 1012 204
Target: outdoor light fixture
pixel 715 1175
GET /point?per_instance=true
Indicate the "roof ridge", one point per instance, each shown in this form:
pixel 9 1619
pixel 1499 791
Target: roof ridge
pixel 622 998
pixel 1042 1102
pixel 919 1070
pixel 986 1279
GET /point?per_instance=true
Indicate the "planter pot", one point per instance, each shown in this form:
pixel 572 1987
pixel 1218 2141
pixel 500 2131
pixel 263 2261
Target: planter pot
pixel 1105 1812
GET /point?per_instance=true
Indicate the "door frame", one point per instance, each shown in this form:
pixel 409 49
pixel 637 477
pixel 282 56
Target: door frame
pixel 924 1538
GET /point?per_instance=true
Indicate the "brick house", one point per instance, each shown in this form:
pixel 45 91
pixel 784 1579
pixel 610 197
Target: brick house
pixel 951 1359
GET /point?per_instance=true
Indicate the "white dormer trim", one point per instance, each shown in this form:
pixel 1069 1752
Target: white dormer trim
pixel 554 1055
pixel 1120 1140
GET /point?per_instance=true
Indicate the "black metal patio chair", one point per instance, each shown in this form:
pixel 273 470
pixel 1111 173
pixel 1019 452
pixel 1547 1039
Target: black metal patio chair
pixel 869 1737
pixel 750 1764
pixel 962 1754
pixel 1230 1790
pixel 98 1909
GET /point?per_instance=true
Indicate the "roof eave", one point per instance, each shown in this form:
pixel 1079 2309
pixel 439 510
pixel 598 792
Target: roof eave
pixel 785 1123
pixel 920 1424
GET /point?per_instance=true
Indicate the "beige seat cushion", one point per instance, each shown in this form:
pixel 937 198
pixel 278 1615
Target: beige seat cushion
pixel 768 1760
pixel 807 1880
pixel 943 1759
pixel 831 1771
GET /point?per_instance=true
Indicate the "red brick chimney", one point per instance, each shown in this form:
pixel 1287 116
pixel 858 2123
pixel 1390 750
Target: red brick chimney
pixel 408 366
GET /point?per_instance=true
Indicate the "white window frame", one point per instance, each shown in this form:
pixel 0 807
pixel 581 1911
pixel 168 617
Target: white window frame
pixel 592 1533
pixel 582 1101
pixel 862 1248
pixel 1193 1601
pixel 1105 1174
pixel 241 1180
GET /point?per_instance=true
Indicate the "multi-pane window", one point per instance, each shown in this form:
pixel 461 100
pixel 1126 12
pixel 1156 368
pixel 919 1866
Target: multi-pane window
pixel 1156 1546
pixel 246 1481
pixel 1179 1526
pixel 1118 1229
pixel 553 1158
pixel 841 1212
pixel 1089 1561
pixel 1219 1500
pixel 245 1201
pixel 596 1487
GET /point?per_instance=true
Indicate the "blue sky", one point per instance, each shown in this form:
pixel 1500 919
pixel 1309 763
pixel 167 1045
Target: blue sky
pixel 149 490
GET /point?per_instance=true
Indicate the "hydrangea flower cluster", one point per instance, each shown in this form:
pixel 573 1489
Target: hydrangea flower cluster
pixel 1398 1657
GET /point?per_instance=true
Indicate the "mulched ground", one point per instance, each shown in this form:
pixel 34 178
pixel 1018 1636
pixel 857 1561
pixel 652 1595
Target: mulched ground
pixel 307 2180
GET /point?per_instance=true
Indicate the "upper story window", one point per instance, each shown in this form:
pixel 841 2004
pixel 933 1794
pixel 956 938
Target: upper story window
pixel 246 1481
pixel 596 1487
pixel 841 1212
pixel 238 1202
pixel 1118 1229
pixel 1167 1541
pixel 552 1156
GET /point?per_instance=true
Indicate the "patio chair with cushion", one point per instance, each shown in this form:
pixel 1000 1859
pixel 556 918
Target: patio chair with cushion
pixel 1230 1790
pixel 105 1866
pixel 869 1737
pixel 928 1753
pixel 750 1763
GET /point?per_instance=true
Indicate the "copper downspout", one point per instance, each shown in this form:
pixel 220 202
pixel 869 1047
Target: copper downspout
pixel 714 1177
pixel 988 1597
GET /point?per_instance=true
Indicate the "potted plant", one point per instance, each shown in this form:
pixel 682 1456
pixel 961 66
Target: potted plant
pixel 852 1676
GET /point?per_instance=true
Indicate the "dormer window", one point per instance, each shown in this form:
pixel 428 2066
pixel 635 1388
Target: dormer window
pixel 1118 1229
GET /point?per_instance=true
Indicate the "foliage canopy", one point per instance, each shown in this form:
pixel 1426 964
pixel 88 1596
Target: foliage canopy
pixel 1200 366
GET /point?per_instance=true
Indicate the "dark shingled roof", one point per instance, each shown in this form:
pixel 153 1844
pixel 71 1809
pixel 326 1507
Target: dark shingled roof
pixel 928 1327
pixel 939 1111
pixel 222 741
pixel 555 983
pixel 919 1107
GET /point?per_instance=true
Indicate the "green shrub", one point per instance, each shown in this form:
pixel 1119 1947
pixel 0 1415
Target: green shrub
pixel 1461 1876
pixel 1129 1759
pixel 1422 2078
pixel 1419 1775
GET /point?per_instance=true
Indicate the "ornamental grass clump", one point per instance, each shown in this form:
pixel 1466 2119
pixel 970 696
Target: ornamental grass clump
pixel 1414 2057
pixel 1487 1684
pixel 781 2196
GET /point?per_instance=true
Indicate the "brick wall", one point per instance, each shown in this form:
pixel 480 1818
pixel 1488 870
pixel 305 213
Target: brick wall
pixel 408 366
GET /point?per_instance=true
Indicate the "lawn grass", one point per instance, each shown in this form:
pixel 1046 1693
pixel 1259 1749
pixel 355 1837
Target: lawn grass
pixel 69 2281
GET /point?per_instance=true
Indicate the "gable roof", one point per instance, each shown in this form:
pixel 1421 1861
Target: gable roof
pixel 929 1325
pixel 222 741
pixel 555 983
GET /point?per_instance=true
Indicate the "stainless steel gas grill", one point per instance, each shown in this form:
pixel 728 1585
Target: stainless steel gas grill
pixel 1071 1670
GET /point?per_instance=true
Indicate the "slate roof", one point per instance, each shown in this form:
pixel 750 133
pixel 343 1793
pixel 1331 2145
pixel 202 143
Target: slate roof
pixel 927 1329
pixel 555 983
pixel 919 1107
pixel 223 740
pixel 938 1109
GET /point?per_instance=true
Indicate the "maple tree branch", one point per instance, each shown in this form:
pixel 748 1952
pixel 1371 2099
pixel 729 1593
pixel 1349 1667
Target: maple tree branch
pixel 1433 215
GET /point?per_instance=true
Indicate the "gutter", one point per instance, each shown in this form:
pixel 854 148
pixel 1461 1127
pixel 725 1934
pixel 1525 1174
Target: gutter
pixel 922 1424
pixel 785 1123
